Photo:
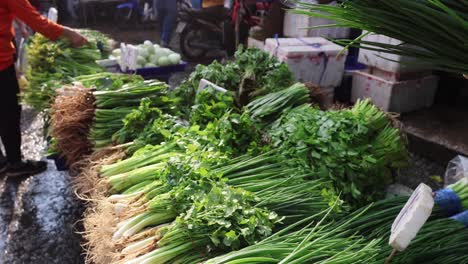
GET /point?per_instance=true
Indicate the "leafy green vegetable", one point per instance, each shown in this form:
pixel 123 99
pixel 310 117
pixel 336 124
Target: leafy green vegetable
pixel 252 73
pixel 210 105
pixel 354 148
pixel 50 63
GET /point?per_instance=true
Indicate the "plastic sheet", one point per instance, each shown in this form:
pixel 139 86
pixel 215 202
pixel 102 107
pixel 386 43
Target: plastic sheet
pixel 457 169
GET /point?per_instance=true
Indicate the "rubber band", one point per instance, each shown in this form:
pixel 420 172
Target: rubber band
pixel 325 65
pixel 277 45
pixel 313 45
pixel 448 200
pixel 461 217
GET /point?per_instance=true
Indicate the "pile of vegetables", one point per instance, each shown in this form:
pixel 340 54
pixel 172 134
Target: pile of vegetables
pixel 252 175
pixel 52 63
pixel 151 55
pixel 436 30
pixel 252 73
pixel 166 203
pixel 96 107
pixel 359 237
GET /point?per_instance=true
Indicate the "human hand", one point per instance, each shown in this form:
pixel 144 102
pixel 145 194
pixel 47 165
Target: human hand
pixel 76 39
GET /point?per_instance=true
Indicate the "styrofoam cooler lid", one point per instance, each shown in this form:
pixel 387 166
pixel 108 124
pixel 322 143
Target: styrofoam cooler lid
pixel 330 49
pixel 273 42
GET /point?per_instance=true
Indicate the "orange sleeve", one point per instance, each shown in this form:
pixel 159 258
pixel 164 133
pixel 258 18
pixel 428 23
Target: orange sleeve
pixel 29 15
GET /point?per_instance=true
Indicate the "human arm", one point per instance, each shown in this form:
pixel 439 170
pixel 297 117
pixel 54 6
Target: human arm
pixel 23 28
pixel 23 10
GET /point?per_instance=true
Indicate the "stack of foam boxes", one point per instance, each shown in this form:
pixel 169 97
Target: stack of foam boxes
pixel 313 60
pixel 300 26
pixel 390 83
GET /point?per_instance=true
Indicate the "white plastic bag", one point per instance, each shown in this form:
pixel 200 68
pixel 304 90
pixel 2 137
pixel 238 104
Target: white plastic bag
pixel 457 169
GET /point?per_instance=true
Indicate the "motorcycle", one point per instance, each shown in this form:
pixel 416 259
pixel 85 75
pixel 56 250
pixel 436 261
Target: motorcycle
pixel 219 28
pixel 133 12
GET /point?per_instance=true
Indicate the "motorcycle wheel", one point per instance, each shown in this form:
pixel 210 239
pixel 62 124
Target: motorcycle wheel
pixel 187 36
pixel 229 38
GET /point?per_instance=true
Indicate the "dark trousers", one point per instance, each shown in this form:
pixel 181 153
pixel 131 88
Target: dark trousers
pixel 167 12
pixel 10 114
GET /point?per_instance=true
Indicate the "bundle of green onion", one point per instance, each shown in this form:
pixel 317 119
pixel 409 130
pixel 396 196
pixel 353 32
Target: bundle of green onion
pixel 270 106
pixel 436 30
pixel 73 111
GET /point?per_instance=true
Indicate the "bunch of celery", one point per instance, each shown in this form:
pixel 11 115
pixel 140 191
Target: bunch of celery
pixel 112 106
pixel 50 63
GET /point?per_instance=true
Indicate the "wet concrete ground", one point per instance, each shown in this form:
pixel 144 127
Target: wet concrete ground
pixel 439 132
pixel 38 215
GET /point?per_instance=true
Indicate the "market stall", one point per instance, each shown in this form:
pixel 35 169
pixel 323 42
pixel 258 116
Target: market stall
pixel 239 163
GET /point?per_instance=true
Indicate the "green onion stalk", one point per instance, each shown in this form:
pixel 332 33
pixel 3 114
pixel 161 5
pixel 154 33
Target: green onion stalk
pixel 113 105
pixel 461 189
pixel 144 157
pixel 278 189
pixel 439 241
pixel 223 218
pixel 270 106
pixel 307 241
pixel 165 196
pixel 432 31
pixel 283 189
pixel 107 80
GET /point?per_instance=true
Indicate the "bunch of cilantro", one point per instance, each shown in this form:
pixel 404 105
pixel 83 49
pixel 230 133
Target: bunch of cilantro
pixel 355 149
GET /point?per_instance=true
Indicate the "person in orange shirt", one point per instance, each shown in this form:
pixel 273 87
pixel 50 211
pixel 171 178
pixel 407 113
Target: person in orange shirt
pixel 212 3
pixel 10 109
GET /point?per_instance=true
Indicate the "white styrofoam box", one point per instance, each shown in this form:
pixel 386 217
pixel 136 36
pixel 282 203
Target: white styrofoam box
pixel 111 65
pixel 255 43
pixel 385 61
pixel 293 4
pixel 316 64
pixel 399 76
pixel 298 25
pixel 403 96
pixel 272 44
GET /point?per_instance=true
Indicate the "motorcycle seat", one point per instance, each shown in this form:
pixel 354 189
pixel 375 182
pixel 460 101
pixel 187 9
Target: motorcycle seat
pixel 213 14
